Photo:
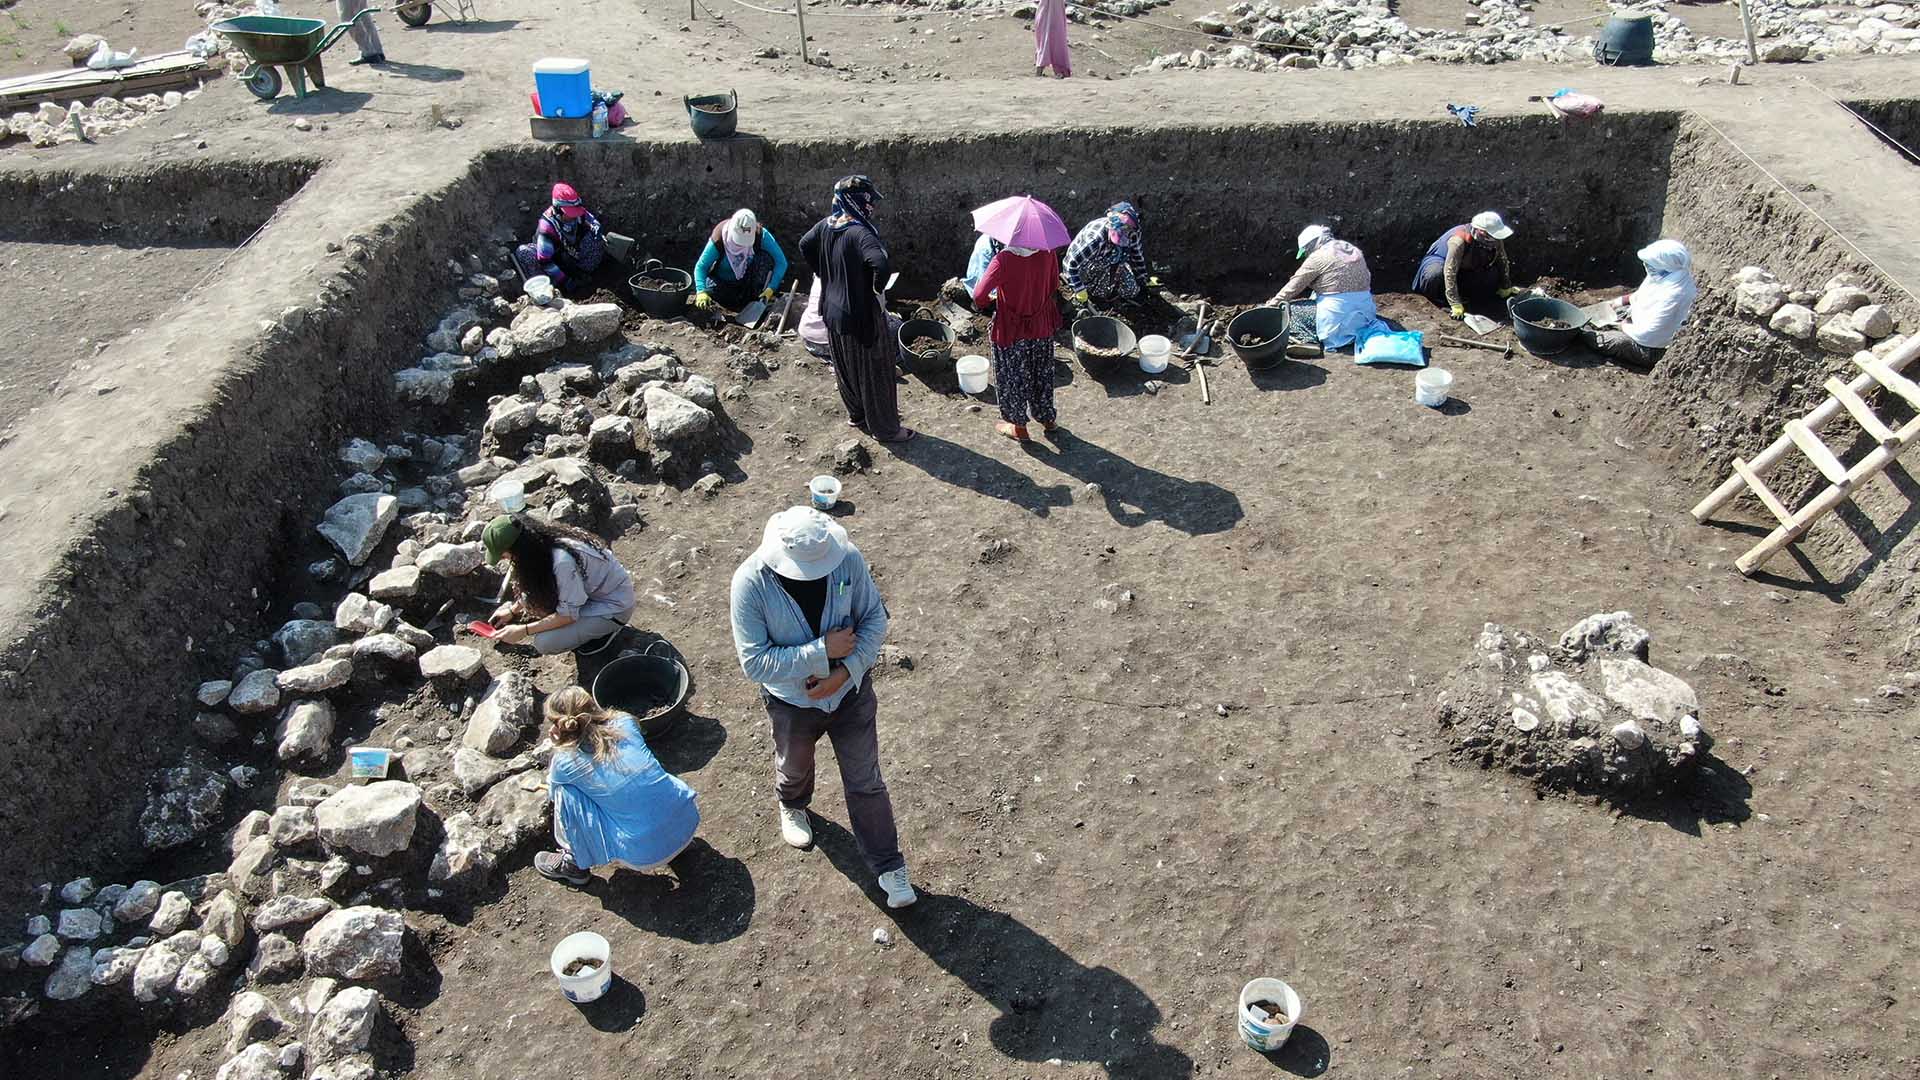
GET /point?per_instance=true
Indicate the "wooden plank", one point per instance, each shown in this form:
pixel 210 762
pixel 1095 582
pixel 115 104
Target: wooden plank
pixel 1889 378
pixel 115 87
pixel 1762 491
pixel 1823 459
pixel 1862 413
pixel 178 59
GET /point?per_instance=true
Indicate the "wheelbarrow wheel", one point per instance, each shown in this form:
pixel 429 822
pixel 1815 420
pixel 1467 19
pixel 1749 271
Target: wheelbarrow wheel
pixel 263 82
pixel 415 14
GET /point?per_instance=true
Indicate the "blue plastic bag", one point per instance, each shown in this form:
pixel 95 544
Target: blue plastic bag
pixel 1378 345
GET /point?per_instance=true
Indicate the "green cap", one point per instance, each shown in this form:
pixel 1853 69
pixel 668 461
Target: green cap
pixel 498 536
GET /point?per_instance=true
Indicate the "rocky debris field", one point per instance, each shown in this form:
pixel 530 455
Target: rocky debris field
pixel 1840 318
pixel 1337 34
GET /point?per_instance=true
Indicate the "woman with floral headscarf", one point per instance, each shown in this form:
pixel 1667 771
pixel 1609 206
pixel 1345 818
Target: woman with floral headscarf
pixel 845 250
pixel 1336 274
pixel 741 262
pixel 567 246
pixel 1654 311
pixel 1107 262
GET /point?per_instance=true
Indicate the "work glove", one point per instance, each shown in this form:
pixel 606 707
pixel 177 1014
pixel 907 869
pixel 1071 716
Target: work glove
pixel 702 301
pixel 1457 312
pixel 767 295
pixel 1153 282
pixel 1508 291
pixel 1082 298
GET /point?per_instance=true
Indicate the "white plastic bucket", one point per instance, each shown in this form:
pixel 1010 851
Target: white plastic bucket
pixel 1430 386
pixel 1259 1034
pixel 510 495
pixel 539 289
pixel 825 491
pixel 585 945
pixel 972 371
pixel 1154 351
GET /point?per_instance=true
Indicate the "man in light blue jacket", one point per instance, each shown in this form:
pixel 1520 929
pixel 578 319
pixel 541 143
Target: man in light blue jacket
pixel 808 622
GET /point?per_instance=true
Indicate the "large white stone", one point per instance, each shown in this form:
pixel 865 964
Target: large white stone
pixel 374 820
pixel 292 826
pixel 364 456
pixel 284 911
pixel 355 524
pixel 1794 320
pixel 458 661
pixel 137 903
pixel 1840 299
pixel 1838 336
pixel 511 414
pixel 1647 692
pixel 170 914
pixel 1566 701
pixel 301 640
pixel 672 418
pixel 344 1024
pixel 423 385
pixel 395 584
pixel 304 735
pixel 261 1061
pixel 160 964
pixel 504 709
pixel 356 614
pixel 78 924
pixel 465 858
pixel 452 560
pixel 315 678
pixel 1759 298
pixel 251 1015
pixel 355 943
pixel 1873 320
pixel 74 977
pixel 539 330
pixel 391 648
pixel 587 323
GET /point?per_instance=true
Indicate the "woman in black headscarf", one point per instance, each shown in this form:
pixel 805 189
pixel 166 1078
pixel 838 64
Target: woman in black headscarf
pixel 844 249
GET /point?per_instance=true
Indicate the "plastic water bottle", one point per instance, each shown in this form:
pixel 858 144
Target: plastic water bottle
pixel 599 121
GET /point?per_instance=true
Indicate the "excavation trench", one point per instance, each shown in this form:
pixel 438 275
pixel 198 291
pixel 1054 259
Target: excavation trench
pixel 216 538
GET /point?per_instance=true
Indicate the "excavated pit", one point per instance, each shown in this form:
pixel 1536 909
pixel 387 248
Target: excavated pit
pixel 308 384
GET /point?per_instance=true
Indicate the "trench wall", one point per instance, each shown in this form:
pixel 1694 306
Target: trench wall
pixel 1898 121
pixel 186 205
pixel 96 692
pixel 1729 384
pixel 1223 205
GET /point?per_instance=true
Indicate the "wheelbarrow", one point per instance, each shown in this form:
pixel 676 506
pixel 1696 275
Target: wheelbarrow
pixel 417 12
pixel 295 44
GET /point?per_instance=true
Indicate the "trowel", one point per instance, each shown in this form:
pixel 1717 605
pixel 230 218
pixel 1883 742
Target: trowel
pixel 751 315
pixel 1479 324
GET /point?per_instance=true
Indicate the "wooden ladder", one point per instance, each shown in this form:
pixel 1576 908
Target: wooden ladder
pixel 1804 435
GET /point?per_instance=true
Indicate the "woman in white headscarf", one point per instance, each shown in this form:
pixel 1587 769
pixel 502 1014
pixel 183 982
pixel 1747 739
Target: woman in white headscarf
pixel 1654 311
pixel 1336 274
pixel 742 262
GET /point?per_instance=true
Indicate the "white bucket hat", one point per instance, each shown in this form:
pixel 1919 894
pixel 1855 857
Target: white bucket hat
pixel 803 544
pixel 1492 224
pixel 741 226
pixel 1312 237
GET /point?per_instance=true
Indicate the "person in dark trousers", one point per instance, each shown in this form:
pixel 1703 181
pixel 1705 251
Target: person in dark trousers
pixel 845 250
pixel 1467 266
pixel 807 624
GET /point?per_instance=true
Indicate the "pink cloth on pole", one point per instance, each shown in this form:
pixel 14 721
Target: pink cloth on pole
pixel 1050 37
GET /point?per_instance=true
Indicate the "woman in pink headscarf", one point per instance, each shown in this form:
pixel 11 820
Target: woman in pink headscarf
pixel 1050 39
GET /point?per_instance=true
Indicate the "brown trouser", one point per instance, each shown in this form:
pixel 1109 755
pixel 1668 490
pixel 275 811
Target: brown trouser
pixel 855 735
pixel 365 37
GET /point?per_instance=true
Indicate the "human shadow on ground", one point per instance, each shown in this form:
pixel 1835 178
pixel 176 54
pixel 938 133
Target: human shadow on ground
pixel 320 101
pixel 471 26
pixel 1123 378
pixel 961 467
pixel 1051 1005
pixel 620 1008
pixel 423 72
pixel 702 897
pixel 1136 494
pixel 1305 1053
pixel 1716 795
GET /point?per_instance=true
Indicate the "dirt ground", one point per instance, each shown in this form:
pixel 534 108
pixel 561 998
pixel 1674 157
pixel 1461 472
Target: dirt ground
pixel 120 289
pixel 1117 817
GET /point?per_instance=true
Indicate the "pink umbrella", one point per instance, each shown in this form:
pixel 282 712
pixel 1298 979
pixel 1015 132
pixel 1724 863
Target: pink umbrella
pixel 1023 221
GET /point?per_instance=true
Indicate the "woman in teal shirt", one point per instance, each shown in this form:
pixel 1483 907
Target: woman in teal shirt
pixel 742 262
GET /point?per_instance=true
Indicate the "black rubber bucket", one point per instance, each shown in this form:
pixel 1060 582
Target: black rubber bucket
pixel 651 688
pixel 1528 311
pixel 714 116
pixel 926 350
pixel 1106 333
pixel 661 303
pixel 1625 40
pixel 1268 325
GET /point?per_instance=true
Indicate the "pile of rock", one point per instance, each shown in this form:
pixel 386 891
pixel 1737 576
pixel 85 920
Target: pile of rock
pixel 52 125
pixel 1841 318
pixel 1587 713
pixel 1345 34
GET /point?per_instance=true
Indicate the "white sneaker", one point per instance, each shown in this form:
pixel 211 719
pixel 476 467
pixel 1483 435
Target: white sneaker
pixel 795 827
pixel 899 890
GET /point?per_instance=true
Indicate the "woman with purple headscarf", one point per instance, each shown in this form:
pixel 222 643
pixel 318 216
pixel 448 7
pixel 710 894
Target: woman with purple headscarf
pixel 1107 262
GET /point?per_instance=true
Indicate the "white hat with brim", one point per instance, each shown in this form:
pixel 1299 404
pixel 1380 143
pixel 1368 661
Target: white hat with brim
pixel 1311 237
pixel 740 227
pixel 1492 224
pixel 803 544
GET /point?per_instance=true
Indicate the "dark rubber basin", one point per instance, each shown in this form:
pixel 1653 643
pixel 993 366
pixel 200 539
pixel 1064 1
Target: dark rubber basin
pixel 1527 311
pixel 1269 324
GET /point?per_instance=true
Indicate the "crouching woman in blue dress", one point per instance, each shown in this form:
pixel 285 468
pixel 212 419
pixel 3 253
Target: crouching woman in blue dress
pixel 613 803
